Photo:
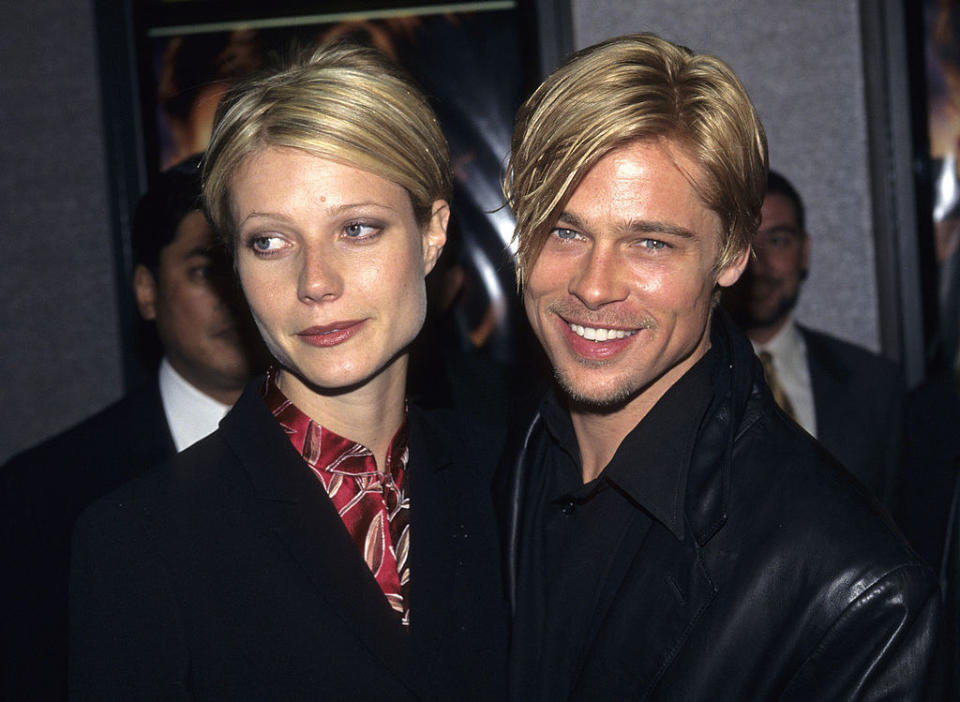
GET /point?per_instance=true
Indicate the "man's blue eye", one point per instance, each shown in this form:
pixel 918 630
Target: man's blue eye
pixel 562 233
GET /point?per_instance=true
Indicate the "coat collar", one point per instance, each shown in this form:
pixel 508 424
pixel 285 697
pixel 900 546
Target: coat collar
pixel 290 503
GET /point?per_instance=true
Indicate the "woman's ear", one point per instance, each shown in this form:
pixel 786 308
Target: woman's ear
pixel 435 234
pixel 145 291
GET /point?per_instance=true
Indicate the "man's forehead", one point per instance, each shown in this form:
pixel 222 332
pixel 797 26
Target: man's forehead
pixel 643 185
pixel 194 237
pixel 778 212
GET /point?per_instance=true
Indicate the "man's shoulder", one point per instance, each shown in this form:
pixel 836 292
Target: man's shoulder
pixel 106 431
pixel 99 453
pixel 806 505
pixel 852 358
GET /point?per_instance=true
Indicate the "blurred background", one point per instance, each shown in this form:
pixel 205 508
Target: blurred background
pixel 97 96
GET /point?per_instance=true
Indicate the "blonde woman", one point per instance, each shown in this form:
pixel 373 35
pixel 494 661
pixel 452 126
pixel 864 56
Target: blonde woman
pixel 328 541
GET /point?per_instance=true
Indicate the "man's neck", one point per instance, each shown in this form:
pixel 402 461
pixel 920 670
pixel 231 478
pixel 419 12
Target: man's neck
pixel 600 432
pixel 764 335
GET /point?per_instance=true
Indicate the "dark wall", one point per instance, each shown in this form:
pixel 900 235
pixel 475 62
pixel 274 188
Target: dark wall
pixel 59 346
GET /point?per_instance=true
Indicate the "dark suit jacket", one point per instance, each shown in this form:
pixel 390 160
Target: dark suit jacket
pixel 228 574
pixel 776 576
pixel 858 398
pixel 42 491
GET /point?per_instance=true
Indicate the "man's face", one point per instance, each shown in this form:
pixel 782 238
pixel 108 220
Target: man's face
pixel 621 294
pixel 768 291
pixel 201 322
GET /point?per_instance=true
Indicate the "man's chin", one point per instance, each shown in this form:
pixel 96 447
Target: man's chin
pixel 594 399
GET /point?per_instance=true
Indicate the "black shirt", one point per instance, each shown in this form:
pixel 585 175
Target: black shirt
pixel 571 532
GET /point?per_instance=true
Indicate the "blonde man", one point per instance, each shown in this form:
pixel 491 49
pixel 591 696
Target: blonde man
pixel 671 534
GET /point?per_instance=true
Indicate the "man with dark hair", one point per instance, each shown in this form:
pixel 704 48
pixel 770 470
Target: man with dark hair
pixel 669 533
pixel 184 286
pixel 845 396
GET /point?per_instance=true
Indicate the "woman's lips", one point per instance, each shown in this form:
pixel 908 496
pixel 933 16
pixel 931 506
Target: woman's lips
pixel 331 334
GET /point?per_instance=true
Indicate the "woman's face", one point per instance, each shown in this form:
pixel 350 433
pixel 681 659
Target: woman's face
pixel 332 263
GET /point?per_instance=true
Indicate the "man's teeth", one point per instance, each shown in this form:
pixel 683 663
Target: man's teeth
pixel 600 334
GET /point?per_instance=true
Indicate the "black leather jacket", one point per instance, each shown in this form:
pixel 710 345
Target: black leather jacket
pixel 787 580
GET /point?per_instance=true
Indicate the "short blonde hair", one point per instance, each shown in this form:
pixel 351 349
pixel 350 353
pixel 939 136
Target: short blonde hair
pixel 345 103
pixel 632 88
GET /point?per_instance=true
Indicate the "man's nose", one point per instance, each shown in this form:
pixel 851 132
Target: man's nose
pixel 600 278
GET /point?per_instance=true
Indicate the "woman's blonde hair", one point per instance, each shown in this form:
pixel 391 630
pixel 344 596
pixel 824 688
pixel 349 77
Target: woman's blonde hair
pixel 345 103
pixel 631 88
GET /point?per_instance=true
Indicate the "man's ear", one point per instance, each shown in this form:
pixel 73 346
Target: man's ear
pixel 435 234
pixel 145 290
pixel 731 273
pixel 805 257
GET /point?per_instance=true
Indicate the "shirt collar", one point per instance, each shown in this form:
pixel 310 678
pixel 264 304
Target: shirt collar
pixel 191 414
pixel 784 342
pixel 650 465
pixel 326 452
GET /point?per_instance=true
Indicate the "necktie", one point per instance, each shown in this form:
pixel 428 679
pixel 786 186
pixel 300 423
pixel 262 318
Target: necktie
pixel 770 373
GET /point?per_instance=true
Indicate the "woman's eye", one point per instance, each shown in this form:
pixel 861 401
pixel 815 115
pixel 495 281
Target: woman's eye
pixel 360 230
pixel 266 244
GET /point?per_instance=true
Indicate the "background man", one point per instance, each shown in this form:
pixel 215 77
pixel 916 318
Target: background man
pixel 845 396
pixel 185 288
pixel 669 532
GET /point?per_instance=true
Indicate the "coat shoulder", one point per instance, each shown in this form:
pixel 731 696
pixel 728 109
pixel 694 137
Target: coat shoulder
pixel 804 506
pixel 839 355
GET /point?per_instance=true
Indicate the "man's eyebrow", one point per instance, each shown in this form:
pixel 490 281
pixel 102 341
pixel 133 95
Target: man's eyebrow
pixel 571 219
pixel 780 229
pixel 204 251
pixel 643 226
pixel 654 227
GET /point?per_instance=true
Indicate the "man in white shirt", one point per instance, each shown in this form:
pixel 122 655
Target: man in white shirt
pixel 847 397
pixel 184 285
pixel 185 291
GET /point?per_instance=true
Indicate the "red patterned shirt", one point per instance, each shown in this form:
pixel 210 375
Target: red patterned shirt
pixel 373 505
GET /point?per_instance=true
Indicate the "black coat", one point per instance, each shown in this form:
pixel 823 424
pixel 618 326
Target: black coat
pixel 782 580
pixel 42 492
pixel 858 400
pixel 228 574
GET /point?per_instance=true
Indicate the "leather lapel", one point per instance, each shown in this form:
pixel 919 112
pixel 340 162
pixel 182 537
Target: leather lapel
pixel 289 502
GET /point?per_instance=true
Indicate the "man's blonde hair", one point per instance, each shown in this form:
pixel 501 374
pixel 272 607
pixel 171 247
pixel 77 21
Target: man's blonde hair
pixel 345 103
pixel 637 87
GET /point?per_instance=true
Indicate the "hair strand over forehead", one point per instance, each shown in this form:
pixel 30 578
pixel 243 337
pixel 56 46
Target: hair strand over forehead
pixel 636 87
pixel 345 103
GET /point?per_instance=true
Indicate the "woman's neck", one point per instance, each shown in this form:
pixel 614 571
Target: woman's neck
pixel 369 414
